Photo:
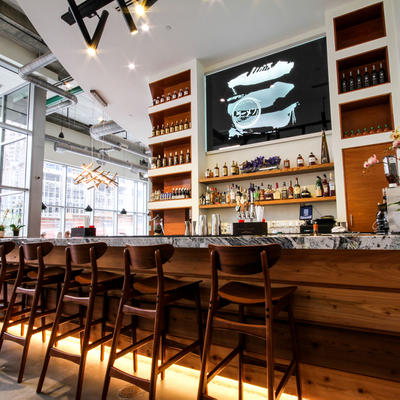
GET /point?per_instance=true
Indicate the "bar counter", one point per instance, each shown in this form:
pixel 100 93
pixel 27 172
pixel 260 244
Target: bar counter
pixel 347 305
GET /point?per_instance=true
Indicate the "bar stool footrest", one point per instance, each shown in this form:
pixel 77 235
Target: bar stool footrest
pixel 183 353
pixel 135 380
pixel 17 339
pixel 75 358
pixel 223 363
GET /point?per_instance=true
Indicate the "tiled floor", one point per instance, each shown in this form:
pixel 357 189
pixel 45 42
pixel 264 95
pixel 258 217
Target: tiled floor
pixel 180 383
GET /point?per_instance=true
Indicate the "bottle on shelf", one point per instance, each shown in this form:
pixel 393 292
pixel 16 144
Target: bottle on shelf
pixel 186 124
pixel 325 186
pixel 153 162
pixel 176 126
pixel 162 99
pixel 187 159
pixel 208 173
pixel 174 95
pixel 181 158
pixel 216 171
pixel 300 161
pixel 168 98
pixel 371 130
pixel 157 101
pixel 332 187
pixel 176 158
pixel 186 91
pixel 312 160
pixel 208 196
pixel 382 74
pixel 180 93
pixel 374 76
pixel 165 161
pixel 262 192
pixel 297 189
pixel 170 160
pixel 166 128
pixel 378 129
pixel 153 131
pixel 159 161
pixel 290 191
pixel 305 193
pixel 225 170
pixel 162 130
pixel 365 131
pixel 343 84
pixel 181 125
pixel 284 192
pixel 367 78
pixel 158 130
pixel 318 187
pixel 286 163
pixel 270 193
pixel 277 193
pixel 359 80
pixel 352 84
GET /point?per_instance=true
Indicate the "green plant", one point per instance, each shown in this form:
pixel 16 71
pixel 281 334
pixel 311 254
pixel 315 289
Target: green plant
pixel 2 228
pixel 16 227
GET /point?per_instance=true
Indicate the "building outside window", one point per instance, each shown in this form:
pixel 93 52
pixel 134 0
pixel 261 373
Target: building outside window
pixel 66 203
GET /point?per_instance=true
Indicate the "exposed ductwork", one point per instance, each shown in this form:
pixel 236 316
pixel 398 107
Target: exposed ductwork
pixel 65 145
pixel 26 73
pixel 103 133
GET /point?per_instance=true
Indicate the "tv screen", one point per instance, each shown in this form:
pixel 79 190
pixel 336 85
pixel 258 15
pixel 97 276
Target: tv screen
pixel 280 95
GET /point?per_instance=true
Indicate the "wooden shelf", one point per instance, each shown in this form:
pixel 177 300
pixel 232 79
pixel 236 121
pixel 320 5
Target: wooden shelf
pixel 277 202
pixel 270 173
pixel 170 204
pixel 170 104
pixel 359 26
pixel 173 170
pixel 170 84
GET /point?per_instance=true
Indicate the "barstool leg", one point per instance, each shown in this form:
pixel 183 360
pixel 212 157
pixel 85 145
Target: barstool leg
pixel 103 323
pixel 270 357
pixel 8 315
pixel 156 349
pixel 241 346
pixel 53 337
pixel 206 349
pixel 163 352
pixel 199 316
pixel 29 332
pixel 43 319
pixel 293 332
pixel 134 339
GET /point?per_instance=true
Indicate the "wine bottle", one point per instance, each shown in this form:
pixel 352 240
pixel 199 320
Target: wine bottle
pixel 284 192
pixel 359 80
pixel 277 192
pixel 374 76
pixel 332 188
pixel 343 84
pixel 187 160
pixel 297 189
pixel 352 85
pixel 318 187
pixel 367 78
pixel 382 74
pixel 181 158
pixel 165 161
pixel 325 186
pixel 290 191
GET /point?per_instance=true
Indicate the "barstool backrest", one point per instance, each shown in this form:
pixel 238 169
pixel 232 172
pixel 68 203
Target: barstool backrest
pixel 143 257
pixel 33 251
pixel 244 260
pixel 81 253
pixel 5 248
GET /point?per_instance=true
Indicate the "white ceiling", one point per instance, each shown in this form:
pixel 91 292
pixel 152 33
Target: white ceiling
pixel 210 30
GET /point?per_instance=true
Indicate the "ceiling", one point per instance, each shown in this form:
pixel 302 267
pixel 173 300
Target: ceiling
pixel 210 30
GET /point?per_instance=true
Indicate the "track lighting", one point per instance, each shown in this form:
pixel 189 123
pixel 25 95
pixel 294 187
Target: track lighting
pixel 139 9
pixel 127 16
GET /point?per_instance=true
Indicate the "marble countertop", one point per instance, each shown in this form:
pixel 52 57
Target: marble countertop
pixel 323 242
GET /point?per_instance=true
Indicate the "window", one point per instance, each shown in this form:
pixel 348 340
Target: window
pixel 66 203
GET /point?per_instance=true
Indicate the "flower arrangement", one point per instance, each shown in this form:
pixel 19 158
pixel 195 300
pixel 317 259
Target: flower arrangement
pixel 260 163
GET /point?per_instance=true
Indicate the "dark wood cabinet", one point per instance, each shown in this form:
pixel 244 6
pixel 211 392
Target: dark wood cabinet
pixel 363 191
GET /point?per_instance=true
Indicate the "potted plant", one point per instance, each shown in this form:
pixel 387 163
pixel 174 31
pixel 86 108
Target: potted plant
pixel 2 229
pixel 16 229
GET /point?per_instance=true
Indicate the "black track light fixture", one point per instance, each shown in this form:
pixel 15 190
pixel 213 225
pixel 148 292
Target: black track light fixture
pixel 61 134
pixel 127 16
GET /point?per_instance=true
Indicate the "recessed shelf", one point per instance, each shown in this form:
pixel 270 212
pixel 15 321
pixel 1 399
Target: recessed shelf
pixel 170 84
pixel 276 202
pixel 270 173
pixel 171 116
pixel 359 26
pixel 173 170
pixel 366 113
pixel 360 62
pixel 170 204
pixel 170 104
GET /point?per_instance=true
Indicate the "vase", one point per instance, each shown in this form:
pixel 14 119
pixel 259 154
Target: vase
pixel 16 233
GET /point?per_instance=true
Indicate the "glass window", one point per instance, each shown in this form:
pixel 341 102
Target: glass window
pixel 126 225
pixel 76 195
pixel 104 198
pixel 75 217
pixel 53 184
pixel 51 222
pixel 16 106
pixel 13 157
pixel 104 223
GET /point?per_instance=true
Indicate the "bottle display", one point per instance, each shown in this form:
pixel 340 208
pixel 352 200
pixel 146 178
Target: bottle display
pixel 168 96
pixel 352 85
pixel 359 80
pixel 367 78
pixel 382 74
pixel 177 193
pixel 343 84
pixel 374 76
pixel 178 158
pixel 370 76
pixel 380 127
pixel 297 189
pixel 171 127
pixel 300 161
pixel 318 188
pixel 312 160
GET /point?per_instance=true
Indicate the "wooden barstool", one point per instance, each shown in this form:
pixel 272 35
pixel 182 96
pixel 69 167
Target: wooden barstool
pixel 8 273
pixel 248 260
pixel 167 290
pixel 96 283
pixel 31 282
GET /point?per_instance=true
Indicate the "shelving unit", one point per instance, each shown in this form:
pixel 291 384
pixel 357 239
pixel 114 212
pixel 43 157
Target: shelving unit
pixel 270 173
pixel 276 202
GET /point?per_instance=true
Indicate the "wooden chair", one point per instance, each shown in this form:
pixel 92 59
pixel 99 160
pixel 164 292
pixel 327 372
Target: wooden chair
pixel 243 261
pixel 8 273
pixel 96 283
pixel 167 290
pixel 31 282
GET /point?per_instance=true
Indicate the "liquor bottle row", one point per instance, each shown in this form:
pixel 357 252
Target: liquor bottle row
pixel 366 131
pixel 178 193
pixel 234 169
pixel 350 83
pixel 324 187
pixel 172 127
pixel 176 94
pixel 158 162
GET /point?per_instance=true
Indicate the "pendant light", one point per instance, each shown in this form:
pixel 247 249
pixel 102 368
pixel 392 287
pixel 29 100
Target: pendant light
pixel 61 135
pixel 123 211
pixel 88 209
pixel 43 206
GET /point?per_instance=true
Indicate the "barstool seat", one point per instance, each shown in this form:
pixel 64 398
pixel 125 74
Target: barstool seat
pixel 243 293
pixel 149 285
pixel 85 278
pixel 49 272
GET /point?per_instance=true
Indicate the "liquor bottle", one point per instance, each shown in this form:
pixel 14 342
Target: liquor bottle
pixel 165 161
pixel 186 124
pixel 157 101
pixel 174 95
pixel 233 168
pixel 367 78
pixel 378 129
pixel 153 132
pixel 277 192
pixel 297 190
pixel 168 98
pixel 181 125
pixel 332 187
pixel 312 160
pixel 153 162
pixel 262 192
pixel 382 74
pixel 352 85
pixel 180 93
pixel 170 160
pixel 233 194
pixel 181 158
pixel 324 149
pixel 187 159
pixel 305 193
pixel 270 193
pixel 325 186
pixel 359 80
pixel 343 84
pixel 318 187
pixel 176 126
pixel 290 191
pixel 374 76
pixel 225 170
pixel 167 128
pixel 176 158
pixel 228 196
pixel 162 100
pixel 159 162
pixel 212 195
pixel 284 192
pixel 216 171
pixel 162 130
pixel 158 130
pixel 300 161
pixel 186 91
pixel 208 173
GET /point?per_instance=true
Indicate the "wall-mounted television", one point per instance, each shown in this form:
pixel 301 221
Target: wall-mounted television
pixel 277 96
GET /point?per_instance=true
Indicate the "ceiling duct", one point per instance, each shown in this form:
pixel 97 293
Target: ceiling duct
pixel 26 73
pixel 65 145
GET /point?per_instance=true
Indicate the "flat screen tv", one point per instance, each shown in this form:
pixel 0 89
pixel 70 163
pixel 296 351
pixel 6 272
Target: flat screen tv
pixel 277 96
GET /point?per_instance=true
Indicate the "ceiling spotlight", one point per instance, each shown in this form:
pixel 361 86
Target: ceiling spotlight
pixel 145 27
pixel 131 66
pixel 139 9
pixel 92 51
